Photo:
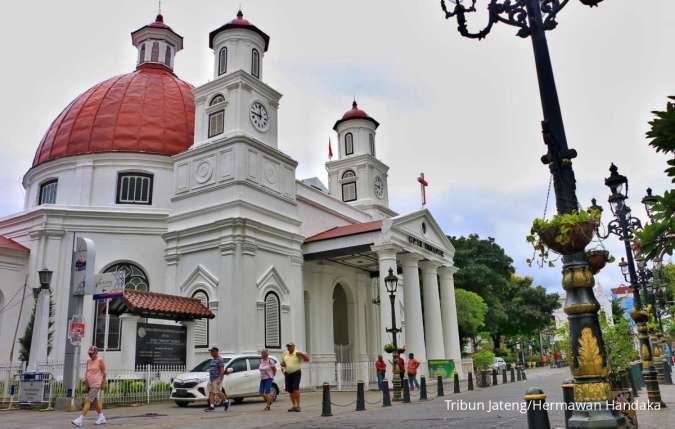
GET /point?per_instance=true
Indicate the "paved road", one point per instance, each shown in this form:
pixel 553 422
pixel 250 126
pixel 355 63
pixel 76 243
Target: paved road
pixel 428 414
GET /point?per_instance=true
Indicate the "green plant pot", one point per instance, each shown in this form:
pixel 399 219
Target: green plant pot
pixel 579 237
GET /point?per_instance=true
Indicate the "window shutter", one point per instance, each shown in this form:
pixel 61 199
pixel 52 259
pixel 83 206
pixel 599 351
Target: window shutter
pixel 154 53
pixel 272 321
pixel 201 326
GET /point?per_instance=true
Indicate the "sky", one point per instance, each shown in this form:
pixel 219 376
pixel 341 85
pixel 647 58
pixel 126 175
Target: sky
pixel 464 112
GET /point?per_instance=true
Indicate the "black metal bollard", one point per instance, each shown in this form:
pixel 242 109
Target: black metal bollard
pixel 494 377
pixel 513 375
pixel 519 374
pixel 568 398
pixel 456 384
pixel 406 391
pixel 325 402
pixel 360 397
pixel 386 399
pixel 423 388
pixel 537 416
pixel 469 380
pixel 504 377
pixel 439 386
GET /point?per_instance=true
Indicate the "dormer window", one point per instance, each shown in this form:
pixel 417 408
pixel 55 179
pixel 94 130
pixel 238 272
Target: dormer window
pixel 141 55
pixel 48 192
pixel 348 186
pixel 255 63
pixel 154 54
pixel 217 118
pixel 167 56
pixel 222 61
pixel 371 139
pixel 349 144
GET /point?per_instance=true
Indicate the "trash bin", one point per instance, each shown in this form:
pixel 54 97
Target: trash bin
pixel 636 374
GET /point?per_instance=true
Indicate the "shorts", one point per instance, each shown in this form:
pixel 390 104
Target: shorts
pixel 214 386
pixel 292 381
pixel 93 394
pixel 265 386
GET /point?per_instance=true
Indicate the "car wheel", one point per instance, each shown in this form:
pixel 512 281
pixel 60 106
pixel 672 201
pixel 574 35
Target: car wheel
pixel 275 393
pixel 182 404
pixel 238 400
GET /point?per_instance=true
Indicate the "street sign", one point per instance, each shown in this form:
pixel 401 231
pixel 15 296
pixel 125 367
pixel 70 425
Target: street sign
pixel 34 387
pixel 109 285
pixel 76 332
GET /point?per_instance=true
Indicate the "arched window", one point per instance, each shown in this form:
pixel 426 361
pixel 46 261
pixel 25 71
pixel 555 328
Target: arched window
pixel 349 186
pixel 134 278
pixel 349 144
pixel 371 139
pixel 167 56
pixel 222 61
pixel 217 99
pixel 48 192
pixel 154 53
pixel 272 321
pixel 255 63
pixel 141 55
pixel 201 326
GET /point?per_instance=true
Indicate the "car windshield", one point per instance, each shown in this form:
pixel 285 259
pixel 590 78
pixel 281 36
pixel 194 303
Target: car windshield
pixel 202 367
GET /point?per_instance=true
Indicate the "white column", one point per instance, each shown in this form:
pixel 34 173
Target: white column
pixel 129 324
pixel 412 299
pixel 453 348
pixel 386 259
pixel 432 311
pixel 39 340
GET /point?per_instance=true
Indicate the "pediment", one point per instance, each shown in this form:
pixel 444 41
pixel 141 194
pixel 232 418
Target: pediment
pixel 199 275
pixel 271 277
pixel 422 225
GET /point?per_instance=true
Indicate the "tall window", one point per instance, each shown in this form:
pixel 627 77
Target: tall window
pixel 349 144
pixel 48 192
pixel 135 278
pixel 134 188
pixel 371 139
pixel 222 61
pixel 217 118
pixel 167 56
pixel 154 53
pixel 255 63
pixel 201 331
pixel 141 55
pixel 272 321
pixel 348 186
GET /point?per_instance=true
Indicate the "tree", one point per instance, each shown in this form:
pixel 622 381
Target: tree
pixel 621 352
pixel 658 237
pixel 26 338
pixel 471 310
pixel 617 310
pixel 530 307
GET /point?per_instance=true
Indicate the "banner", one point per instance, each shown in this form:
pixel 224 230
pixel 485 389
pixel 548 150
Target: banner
pixel 443 367
pixel 82 271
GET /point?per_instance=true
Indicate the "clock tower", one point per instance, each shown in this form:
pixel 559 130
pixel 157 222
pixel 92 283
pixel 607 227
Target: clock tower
pixel 357 177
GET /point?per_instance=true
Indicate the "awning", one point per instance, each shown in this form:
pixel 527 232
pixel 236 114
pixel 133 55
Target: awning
pixel 160 306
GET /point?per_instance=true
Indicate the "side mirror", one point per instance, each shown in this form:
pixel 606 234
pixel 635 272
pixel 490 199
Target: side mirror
pixel 229 370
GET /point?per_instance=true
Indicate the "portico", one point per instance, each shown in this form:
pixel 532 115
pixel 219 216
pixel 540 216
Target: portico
pixel 356 258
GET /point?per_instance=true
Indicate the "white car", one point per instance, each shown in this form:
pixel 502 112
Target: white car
pixel 242 380
pixel 499 364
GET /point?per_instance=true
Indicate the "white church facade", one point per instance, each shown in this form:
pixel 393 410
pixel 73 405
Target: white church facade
pixel 189 192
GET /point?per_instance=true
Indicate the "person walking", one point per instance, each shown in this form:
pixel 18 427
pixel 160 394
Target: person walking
pixel 95 379
pixel 411 369
pixel 215 385
pixel 267 372
pixel 380 370
pixel 291 364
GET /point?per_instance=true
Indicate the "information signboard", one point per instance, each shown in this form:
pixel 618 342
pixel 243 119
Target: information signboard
pixel 34 388
pixel 442 367
pixel 160 344
pixel 109 285
pixel 76 331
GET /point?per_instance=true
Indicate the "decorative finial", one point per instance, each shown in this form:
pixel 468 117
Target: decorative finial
pixel 240 14
pixel 613 168
pixel 354 105
pixel 159 7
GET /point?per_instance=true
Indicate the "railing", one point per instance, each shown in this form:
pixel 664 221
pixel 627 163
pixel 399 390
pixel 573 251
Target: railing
pixel 144 384
pixel 345 375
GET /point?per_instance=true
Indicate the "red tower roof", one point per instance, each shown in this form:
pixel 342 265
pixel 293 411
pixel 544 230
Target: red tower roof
pixel 149 110
pixel 239 22
pixel 355 113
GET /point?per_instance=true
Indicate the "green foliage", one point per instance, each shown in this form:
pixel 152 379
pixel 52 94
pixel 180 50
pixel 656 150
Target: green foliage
pixel 530 307
pixel 658 236
pixel 25 340
pixel 564 344
pixel 389 348
pixel 161 387
pixel 662 134
pixel 471 311
pixel 563 224
pixel 483 359
pixel 617 310
pixel 619 346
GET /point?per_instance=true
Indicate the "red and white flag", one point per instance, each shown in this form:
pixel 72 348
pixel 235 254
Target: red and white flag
pixel 330 150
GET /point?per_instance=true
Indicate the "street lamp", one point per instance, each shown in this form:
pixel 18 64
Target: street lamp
pixel 533 18
pixel 624 226
pixel 391 284
pixel 649 200
pixel 45 277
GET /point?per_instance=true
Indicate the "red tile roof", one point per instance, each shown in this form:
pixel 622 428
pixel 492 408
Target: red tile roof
pixel 6 243
pixel 163 306
pixel 344 231
pixel 622 290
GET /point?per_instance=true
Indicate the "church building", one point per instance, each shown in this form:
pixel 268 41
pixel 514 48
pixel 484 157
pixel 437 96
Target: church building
pixel 189 192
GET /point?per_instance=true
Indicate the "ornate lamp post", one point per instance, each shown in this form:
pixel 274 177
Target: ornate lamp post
pixel 589 358
pixel 391 283
pixel 624 226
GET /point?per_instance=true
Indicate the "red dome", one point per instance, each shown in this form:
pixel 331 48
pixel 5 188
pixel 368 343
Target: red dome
pixel 149 110
pixel 355 113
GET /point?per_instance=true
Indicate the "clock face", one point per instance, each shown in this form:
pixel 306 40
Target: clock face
pixel 378 187
pixel 259 117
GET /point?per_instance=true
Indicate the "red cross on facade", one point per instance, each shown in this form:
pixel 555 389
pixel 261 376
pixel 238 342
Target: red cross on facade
pixel 423 187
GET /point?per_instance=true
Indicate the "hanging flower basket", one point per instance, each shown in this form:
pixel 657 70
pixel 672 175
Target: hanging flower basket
pixel 389 348
pixel 568 239
pixel 597 259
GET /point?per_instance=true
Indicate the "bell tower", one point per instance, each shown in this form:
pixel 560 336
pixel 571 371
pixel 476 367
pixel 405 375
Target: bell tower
pixel 357 177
